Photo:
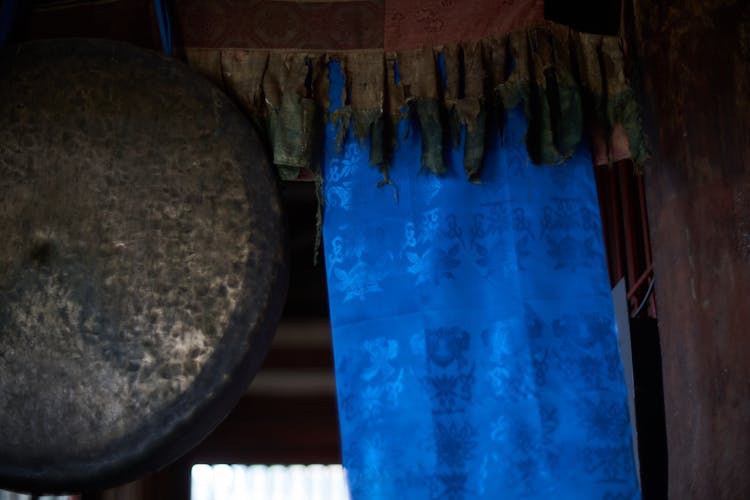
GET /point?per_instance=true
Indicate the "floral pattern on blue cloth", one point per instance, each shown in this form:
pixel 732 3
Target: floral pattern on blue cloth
pixel 474 334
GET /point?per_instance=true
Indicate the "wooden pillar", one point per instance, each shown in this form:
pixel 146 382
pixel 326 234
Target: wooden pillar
pixel 694 57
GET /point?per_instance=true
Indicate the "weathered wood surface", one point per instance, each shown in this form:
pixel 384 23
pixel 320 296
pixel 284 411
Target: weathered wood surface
pixel 695 61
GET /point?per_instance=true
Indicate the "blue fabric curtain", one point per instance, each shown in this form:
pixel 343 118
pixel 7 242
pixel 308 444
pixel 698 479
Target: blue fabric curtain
pixel 474 335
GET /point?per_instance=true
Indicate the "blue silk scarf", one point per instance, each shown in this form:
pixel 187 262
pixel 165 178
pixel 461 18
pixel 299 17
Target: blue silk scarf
pixel 474 334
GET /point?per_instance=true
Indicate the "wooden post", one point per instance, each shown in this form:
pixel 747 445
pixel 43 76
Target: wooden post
pixel 695 63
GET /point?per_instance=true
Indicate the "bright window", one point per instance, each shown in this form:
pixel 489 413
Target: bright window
pixel 268 482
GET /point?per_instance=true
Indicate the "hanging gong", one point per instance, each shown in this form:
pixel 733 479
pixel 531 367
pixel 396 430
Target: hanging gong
pixel 142 267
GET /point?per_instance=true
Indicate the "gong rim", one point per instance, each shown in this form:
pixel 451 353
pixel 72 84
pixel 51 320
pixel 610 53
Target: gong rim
pixel 244 343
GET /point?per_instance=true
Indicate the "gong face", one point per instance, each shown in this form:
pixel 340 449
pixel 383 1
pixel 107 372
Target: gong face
pixel 141 261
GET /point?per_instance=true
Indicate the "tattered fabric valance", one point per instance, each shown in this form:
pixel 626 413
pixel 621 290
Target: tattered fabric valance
pixel 568 83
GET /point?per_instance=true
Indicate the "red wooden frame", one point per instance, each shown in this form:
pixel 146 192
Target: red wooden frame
pixel 622 201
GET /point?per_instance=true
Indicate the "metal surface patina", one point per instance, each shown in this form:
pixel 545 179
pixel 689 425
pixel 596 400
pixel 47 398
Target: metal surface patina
pixel 142 263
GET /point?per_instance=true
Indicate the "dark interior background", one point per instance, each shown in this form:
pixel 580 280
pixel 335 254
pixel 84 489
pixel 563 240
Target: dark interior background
pixel 289 413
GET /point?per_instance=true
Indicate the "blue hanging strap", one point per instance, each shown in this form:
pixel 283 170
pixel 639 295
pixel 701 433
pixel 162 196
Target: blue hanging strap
pixel 165 26
pixel 7 13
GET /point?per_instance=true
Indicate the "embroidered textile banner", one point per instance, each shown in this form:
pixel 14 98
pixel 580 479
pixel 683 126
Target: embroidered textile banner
pixel 268 55
pixel 474 338
pixel 568 83
pixel 427 23
pixel 289 24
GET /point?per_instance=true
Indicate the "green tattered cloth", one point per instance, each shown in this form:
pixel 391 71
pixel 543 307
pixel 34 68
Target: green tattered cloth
pixel 567 82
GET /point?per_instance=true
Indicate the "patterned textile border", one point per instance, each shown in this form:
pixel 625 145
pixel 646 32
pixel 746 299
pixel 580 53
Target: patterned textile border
pixel 348 24
pixel 424 23
pixel 329 25
pixel 565 81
